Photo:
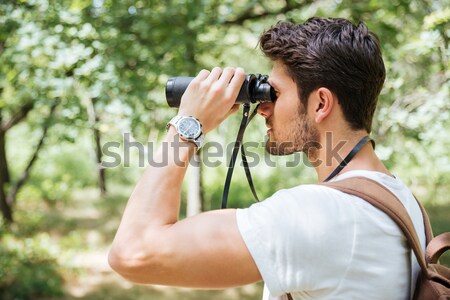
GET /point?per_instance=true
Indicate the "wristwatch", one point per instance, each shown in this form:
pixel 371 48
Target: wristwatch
pixel 189 129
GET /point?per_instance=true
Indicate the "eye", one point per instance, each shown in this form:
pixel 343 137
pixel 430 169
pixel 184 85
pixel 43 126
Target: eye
pixel 277 93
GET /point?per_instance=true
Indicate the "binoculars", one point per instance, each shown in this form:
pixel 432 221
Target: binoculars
pixel 254 89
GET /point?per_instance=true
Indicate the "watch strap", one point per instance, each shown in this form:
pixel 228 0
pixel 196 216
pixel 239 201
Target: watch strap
pixel 198 141
pixel 174 121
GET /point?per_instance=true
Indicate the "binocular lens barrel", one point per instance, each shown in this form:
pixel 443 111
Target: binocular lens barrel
pixel 254 89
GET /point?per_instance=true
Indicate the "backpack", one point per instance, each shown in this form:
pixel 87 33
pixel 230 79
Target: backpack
pixel 434 279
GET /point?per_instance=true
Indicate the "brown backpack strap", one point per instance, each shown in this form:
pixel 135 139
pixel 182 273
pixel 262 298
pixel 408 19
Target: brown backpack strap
pixel 426 223
pixel 437 247
pixel 383 199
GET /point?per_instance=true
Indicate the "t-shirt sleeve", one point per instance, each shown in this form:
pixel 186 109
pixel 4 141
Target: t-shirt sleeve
pixel 292 238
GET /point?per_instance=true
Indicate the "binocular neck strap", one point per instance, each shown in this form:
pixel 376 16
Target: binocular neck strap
pixel 349 157
pixel 246 118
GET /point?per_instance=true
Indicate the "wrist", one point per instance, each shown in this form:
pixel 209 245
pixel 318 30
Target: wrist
pixel 189 129
pixel 175 140
pixel 179 151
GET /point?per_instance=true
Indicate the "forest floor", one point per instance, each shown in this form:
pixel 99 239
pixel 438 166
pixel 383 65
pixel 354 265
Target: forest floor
pixel 81 229
pixel 85 226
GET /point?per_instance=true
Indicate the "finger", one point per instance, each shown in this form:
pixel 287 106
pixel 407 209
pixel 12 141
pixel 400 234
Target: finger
pixel 213 76
pixel 226 76
pixel 202 75
pixel 236 82
pixel 194 84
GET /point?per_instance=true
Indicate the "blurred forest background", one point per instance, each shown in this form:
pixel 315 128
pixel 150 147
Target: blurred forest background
pixel 76 75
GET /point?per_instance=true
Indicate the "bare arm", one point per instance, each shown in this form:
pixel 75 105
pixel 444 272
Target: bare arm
pixel 204 251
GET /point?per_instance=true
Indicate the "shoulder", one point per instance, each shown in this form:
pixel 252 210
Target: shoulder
pixel 297 204
pixel 395 185
pixel 311 214
pixel 289 234
pixel 305 200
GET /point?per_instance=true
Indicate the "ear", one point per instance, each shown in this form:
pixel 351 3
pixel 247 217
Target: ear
pixel 323 104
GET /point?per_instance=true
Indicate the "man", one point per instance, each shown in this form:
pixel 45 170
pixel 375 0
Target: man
pixel 310 241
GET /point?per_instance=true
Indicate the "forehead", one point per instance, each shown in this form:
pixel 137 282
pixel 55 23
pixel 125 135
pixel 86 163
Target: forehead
pixel 279 75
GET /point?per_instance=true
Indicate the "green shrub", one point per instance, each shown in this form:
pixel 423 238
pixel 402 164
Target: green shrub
pixel 28 271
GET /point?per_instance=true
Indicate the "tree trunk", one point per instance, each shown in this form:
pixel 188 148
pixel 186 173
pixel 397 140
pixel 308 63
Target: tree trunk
pixel 4 179
pixel 4 170
pixel 7 199
pixel 101 172
pixel 93 122
pixel 4 207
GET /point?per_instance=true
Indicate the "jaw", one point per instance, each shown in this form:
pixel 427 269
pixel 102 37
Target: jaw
pixel 279 146
pixel 302 138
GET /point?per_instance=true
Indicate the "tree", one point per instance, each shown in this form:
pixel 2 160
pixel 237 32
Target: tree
pixel 107 63
pixel 157 50
pixel 15 104
pixel 412 121
pixel 40 53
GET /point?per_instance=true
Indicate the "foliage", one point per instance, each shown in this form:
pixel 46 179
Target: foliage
pixel 114 57
pixel 121 53
pixel 28 270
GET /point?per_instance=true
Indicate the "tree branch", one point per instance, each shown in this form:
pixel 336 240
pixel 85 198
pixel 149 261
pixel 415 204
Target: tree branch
pixel 93 121
pixel 249 15
pixel 19 116
pixel 10 199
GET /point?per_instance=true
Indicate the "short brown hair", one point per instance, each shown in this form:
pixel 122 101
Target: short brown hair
pixel 331 53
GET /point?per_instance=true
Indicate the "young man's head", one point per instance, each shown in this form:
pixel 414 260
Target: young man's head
pixel 334 54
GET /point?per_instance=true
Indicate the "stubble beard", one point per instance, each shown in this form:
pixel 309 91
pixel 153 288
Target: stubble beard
pixel 302 136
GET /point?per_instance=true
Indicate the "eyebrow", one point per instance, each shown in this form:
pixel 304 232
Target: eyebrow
pixel 273 84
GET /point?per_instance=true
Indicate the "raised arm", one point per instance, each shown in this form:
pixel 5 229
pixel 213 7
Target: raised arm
pixel 205 251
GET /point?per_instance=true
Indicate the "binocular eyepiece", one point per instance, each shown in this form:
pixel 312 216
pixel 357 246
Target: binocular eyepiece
pixel 254 89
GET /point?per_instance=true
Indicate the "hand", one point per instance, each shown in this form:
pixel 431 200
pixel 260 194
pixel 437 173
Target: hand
pixel 211 96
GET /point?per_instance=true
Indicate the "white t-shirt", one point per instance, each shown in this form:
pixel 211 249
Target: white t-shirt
pixel 319 243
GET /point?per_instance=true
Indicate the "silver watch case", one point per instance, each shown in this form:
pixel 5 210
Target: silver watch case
pixel 189 128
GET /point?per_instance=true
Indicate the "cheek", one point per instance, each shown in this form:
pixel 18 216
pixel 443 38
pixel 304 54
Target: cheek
pixel 283 108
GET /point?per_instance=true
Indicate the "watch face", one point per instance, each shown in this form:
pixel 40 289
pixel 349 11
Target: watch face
pixel 189 128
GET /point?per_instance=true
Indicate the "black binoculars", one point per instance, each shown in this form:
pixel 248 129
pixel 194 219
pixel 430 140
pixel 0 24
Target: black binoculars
pixel 254 89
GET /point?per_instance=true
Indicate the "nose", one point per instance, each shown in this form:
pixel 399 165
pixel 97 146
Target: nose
pixel 265 109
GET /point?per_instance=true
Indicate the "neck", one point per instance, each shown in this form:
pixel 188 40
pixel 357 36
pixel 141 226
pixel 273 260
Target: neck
pixel 336 146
